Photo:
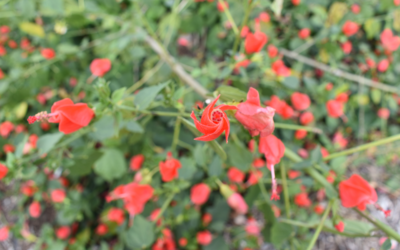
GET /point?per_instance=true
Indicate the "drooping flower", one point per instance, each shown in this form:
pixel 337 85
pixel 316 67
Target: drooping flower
pixel 204 238
pixel 272 51
pixel 63 232
pixel 116 215
pixel 136 162
pixel 334 108
pixel 199 193
pixel 3 171
pixel 257 120
pixel 273 149
pixel 254 177
pixel 346 47
pixel 100 66
pixel 235 175
pixel 300 101
pixel 356 192
pixel 306 118
pixel 35 209
pixel 213 121
pixel 166 242
pixel 302 200
pixel 58 195
pixel 29 188
pixel 70 116
pixel 255 42
pixel 383 65
pixel 350 28
pixel 6 128
pixel 300 134
pixel 340 226
pixel 389 41
pixel 280 68
pixel 48 53
pixel 169 168
pixel 264 17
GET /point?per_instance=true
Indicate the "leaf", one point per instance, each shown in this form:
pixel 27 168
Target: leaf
pixel 372 27
pixel 188 168
pixel 291 82
pixel 353 226
pixel 316 155
pixel 111 165
pixel 267 212
pixel 220 210
pixel 67 48
pixel 141 234
pixel 276 7
pixel 217 244
pixel 215 167
pixel 32 29
pixel 20 110
pixel 239 156
pixel 229 94
pixel 146 96
pixel 48 141
pixel 52 7
pixel 213 144
pixel 376 96
pixel 103 128
pixel 336 12
pixel 117 95
pixel 301 165
pixel 387 244
pixel 280 232
pixel 83 165
pixel 396 20
pixel 134 127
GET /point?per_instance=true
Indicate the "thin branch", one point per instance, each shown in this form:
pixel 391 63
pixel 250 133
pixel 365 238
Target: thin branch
pixel 339 73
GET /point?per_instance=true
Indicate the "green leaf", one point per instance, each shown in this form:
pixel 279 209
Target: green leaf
pixel 376 96
pixel 301 165
pixel 141 234
pixel 217 244
pixel 229 94
pixel 213 144
pixel 372 27
pixel 48 141
pixel 67 48
pixel 32 29
pixel 111 165
pixel 353 227
pixel 291 82
pixel 387 244
pixel 103 128
pixel 117 95
pixel 52 7
pixel 188 168
pixel 267 212
pixel 134 127
pixel 316 155
pixel 146 96
pixel 239 156
pixel 280 232
pixel 215 167
pixel 83 165
pixel 219 211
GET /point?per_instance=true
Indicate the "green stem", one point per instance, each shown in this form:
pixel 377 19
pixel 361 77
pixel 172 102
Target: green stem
pixel 164 207
pixel 185 145
pixel 285 190
pixel 382 226
pixel 263 190
pixel 363 147
pixel 244 23
pixel 298 127
pixel 149 112
pixel 177 130
pixel 230 18
pixel 320 226
pixel 145 78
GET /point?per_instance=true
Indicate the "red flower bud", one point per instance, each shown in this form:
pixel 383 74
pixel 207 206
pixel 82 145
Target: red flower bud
pixel 199 194
pixel 48 53
pixel 99 67
pixel 35 209
pixel 300 101
pixel 255 42
pixel 63 232
pixel 350 28
pixel 136 162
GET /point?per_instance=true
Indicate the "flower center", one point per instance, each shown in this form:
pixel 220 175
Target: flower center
pixel 217 115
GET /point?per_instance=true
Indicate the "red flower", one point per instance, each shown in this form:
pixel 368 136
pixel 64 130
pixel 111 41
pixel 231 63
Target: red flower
pixel 3 51
pixel 4 233
pixel 4 29
pixel 99 67
pixel 136 162
pixel 28 188
pixel 48 53
pixel 329 86
pixel 293 174
pixel 300 134
pixel 324 152
pixel 244 32
pixel 182 242
pixel 8 148
pixel 300 101
pixel 356 192
pixel 383 65
pixel 334 108
pixel 58 195
pixel 264 17
pixel 257 120
pixel 70 116
pixel 340 226
pixel 252 227
pixel 166 242
pixel 12 44
pixel 255 42
pixel 35 209
pixel 116 215
pixel 3 171
pixel 241 64
pixel 6 128
pixel 346 47
pixel 213 121
pixel 296 2
pixel 169 169
pixel 389 41
pixel 206 219
pixel 183 41
pixel 306 118
pixel 222 6
pixel 331 176
pixel 304 33
pixel 280 68
pixel 258 163
pixel 236 202
pixel 355 8
pixel 272 51
pixel 302 200
pixel 350 28
pixel 199 193
pixel 254 177
pixel 204 238
pixel 235 175
pixel 371 63
pixel 63 232
pixel 396 2
pixel 339 140
pixel 101 229
pixel 319 209
pixel 383 113
pixel 342 97
pixel 1 74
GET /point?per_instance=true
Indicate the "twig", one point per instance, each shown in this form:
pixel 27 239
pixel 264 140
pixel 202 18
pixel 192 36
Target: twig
pixel 338 72
pixel 320 226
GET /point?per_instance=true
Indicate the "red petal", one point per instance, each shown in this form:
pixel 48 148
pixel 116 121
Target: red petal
pixel 224 107
pixel 61 103
pixel 212 136
pixel 68 127
pixel 201 127
pixel 78 113
pixel 205 118
pixel 253 97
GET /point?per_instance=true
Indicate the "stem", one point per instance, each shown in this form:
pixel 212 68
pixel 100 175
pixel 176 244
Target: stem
pixel 177 130
pixel 244 23
pixel 263 190
pixel 149 112
pixel 185 145
pixel 230 18
pixel 297 127
pixel 164 207
pixel 363 147
pixel 320 226
pixel 385 228
pixel 145 78
pixel 285 190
